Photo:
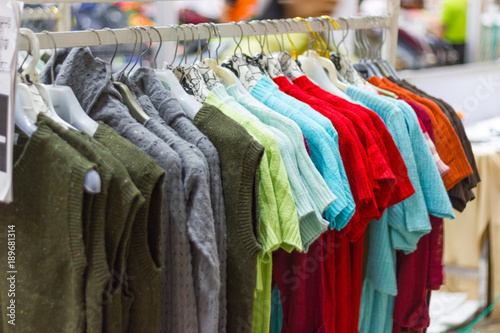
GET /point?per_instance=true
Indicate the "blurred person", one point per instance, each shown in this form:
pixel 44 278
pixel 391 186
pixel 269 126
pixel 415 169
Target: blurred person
pixel 454 21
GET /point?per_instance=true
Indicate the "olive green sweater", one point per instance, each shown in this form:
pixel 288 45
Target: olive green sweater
pixel 240 157
pixel 148 177
pixel 50 253
pixel 109 231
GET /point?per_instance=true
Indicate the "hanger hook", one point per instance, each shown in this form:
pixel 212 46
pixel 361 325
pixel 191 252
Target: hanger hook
pixel 266 40
pixel 276 28
pixel 217 33
pixel 191 29
pixel 248 36
pixel 184 39
pixel 238 43
pixel 116 48
pixel 97 34
pixel 54 60
pixel 150 44
pixel 344 36
pixel 138 52
pixel 282 33
pixel 206 25
pixel 27 53
pixel 159 47
pixel 176 43
pixel 259 38
pixel 198 48
pixel 382 37
pixel 132 29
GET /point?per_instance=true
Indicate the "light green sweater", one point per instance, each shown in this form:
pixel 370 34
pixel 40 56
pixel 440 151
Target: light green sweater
pixel 278 221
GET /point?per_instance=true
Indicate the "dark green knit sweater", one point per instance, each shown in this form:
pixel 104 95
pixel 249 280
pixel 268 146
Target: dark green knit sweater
pixel 50 253
pixel 139 292
pixel 117 205
pixel 240 156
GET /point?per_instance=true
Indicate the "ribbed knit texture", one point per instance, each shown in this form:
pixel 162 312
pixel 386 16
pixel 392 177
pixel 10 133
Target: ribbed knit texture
pixel 359 151
pixel 122 201
pixel 447 142
pixel 147 176
pixel 240 156
pixel 407 226
pixel 284 231
pixel 324 151
pixel 48 180
pixel 307 184
pixel 200 223
pixel 459 195
pixel 171 112
pixel 102 101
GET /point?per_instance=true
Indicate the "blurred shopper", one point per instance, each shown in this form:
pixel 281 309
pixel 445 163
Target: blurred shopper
pixel 454 19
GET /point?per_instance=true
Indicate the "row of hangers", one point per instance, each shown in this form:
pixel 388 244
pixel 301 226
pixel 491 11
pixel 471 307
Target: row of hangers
pixel 61 104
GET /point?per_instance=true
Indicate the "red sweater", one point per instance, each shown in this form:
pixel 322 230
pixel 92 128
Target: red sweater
pixel 353 155
pixel 403 187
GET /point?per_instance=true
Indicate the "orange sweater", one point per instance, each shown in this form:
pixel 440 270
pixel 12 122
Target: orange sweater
pixel 447 142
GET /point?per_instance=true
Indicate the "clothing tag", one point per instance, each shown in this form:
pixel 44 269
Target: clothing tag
pixel 10 14
pixel 165 85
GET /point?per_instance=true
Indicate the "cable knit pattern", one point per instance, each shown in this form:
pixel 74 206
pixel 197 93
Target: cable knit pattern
pixel 200 223
pixel 171 112
pixel 89 79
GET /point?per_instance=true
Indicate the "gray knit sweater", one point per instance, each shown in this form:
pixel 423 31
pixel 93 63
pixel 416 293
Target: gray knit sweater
pixel 200 222
pixel 89 79
pixel 171 112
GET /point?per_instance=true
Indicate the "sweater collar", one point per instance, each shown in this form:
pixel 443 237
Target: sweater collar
pixel 77 68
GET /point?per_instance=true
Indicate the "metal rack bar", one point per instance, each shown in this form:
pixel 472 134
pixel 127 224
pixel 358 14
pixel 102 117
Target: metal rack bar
pixel 126 36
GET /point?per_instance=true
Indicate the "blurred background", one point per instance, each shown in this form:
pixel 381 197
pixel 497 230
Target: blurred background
pixel 447 47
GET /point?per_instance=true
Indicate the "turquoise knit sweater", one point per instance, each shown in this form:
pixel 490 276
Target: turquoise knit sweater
pixel 324 152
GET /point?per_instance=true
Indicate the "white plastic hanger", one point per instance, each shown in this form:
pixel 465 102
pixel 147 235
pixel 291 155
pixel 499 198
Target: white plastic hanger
pixel 188 103
pixel 312 64
pixel 29 103
pixel 40 96
pixel 223 73
pixel 66 104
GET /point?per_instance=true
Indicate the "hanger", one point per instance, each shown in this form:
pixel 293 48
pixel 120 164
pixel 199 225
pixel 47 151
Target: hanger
pixel 31 83
pixel 127 97
pixel 188 103
pixel 66 104
pixel 223 73
pixel 28 104
pixel 386 64
pixel 25 113
pixel 310 64
pixel 326 63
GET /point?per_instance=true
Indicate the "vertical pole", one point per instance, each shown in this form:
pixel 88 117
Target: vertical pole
pixel 65 12
pixel 391 42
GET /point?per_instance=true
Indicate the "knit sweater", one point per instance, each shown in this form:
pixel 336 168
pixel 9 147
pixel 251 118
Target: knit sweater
pixel 299 166
pixel 459 195
pixel 324 152
pixel 447 142
pixel 148 177
pixel 284 232
pixel 121 201
pixel 171 112
pixel 102 101
pixel 200 223
pixel 240 156
pixel 46 219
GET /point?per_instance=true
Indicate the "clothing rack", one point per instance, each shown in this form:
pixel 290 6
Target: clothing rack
pixel 253 28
